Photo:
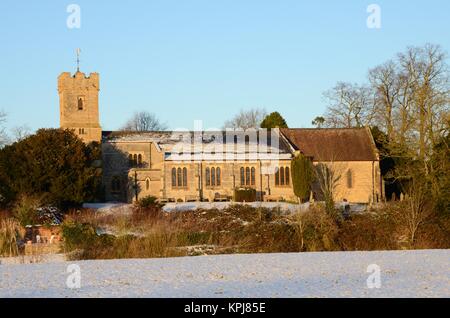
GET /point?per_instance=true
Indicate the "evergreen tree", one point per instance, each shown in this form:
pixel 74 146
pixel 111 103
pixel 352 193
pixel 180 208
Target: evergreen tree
pixel 53 164
pixel 302 176
pixel 274 120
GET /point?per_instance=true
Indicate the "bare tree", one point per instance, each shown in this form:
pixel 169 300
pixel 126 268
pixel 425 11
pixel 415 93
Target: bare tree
pixel 251 118
pixel 328 178
pixel 419 206
pixel 384 81
pixel 3 136
pixel 20 132
pixel 349 105
pixel 144 121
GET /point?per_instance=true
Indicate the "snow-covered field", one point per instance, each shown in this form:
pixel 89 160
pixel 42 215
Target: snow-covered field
pixel 342 274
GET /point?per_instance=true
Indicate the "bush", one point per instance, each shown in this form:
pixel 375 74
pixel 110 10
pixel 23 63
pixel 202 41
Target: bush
pixel 147 202
pixel 25 210
pixel 78 235
pixel 317 230
pixel 244 195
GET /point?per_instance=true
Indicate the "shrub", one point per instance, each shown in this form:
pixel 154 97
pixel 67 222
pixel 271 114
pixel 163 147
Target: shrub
pixel 317 230
pixel 78 235
pixel 147 202
pixel 244 195
pixel 25 210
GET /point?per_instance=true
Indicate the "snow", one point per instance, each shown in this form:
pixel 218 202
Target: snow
pixel 110 207
pixel 421 273
pixel 188 206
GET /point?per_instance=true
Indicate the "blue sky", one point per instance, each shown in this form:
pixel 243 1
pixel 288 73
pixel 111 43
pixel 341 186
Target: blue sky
pixel 202 59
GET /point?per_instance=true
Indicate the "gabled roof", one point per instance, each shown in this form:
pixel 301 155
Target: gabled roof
pixel 213 145
pixel 333 144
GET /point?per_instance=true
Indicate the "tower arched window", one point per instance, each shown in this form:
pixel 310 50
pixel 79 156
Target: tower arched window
pixel 253 176
pixel 282 176
pixel 139 160
pixel 242 176
pixel 80 103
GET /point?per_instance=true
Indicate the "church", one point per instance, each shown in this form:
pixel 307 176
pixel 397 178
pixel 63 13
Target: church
pixel 185 166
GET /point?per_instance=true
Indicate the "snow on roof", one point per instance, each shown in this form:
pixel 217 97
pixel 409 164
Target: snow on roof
pixel 211 145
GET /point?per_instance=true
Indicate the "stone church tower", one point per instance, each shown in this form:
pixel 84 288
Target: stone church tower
pixel 78 104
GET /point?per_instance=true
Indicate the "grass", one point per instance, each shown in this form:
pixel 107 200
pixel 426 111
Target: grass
pixel 9 234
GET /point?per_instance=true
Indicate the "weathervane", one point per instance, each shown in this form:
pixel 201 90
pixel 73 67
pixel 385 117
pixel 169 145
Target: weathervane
pixel 78 59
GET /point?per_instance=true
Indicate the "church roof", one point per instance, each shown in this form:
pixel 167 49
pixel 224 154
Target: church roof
pixel 333 144
pixel 214 145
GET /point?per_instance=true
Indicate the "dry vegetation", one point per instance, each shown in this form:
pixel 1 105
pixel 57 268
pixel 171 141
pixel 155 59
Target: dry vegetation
pixel 149 232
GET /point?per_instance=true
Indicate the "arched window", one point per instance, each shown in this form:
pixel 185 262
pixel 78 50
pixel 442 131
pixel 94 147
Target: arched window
pixel 135 160
pixel 130 160
pixel 147 184
pixel 235 139
pixel 349 179
pixel 179 177
pixel 139 159
pixel 242 176
pixel 247 139
pixel 184 177
pixel 213 176
pixel 174 177
pixel 288 177
pixel 281 176
pixel 208 177
pixel 277 177
pixel 253 176
pixel 247 176
pixel 80 103
pixel 218 176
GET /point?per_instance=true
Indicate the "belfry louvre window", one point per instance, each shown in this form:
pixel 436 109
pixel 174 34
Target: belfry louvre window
pixel 212 176
pixel 179 178
pixel 248 176
pixel 282 176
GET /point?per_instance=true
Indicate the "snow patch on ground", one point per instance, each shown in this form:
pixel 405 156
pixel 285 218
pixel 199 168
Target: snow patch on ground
pixel 188 206
pixel 110 207
pixel 340 274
